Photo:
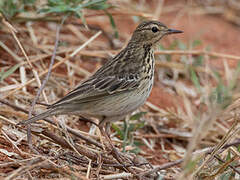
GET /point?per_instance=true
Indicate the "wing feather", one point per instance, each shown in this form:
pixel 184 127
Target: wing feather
pixel 105 82
pixel 87 92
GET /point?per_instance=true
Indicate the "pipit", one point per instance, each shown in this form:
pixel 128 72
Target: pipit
pixel 120 86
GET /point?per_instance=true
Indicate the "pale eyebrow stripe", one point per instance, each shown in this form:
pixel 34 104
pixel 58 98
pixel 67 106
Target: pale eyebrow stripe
pixel 144 29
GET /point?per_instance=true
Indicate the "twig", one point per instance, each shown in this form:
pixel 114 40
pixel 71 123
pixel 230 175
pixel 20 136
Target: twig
pixel 221 144
pixel 11 141
pixel 61 141
pixel 95 28
pixel 35 163
pixel 89 168
pixel 81 150
pixel 29 137
pixel 101 53
pixel 164 166
pixel 54 66
pixel 231 166
pixel 32 80
pixel 122 12
pixel 99 166
pixel 49 69
pixel 85 44
pixel 174 163
pixel 180 66
pixel 117 176
pixel 14 31
pixel 70 130
pixel 15 56
pixel 17 162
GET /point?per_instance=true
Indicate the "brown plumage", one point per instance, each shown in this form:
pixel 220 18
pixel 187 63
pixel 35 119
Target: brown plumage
pixel 121 85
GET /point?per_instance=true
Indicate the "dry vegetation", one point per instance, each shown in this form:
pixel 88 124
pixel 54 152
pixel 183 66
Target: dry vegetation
pixel 189 128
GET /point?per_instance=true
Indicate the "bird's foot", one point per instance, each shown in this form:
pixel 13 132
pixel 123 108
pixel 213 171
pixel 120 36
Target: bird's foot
pixel 121 158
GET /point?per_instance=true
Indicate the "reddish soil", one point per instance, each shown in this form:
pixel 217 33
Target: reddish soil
pixel 221 35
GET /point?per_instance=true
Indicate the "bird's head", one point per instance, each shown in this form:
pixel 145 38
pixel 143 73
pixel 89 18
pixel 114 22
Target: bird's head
pixel 151 32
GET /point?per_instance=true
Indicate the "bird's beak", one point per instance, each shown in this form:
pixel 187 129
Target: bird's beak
pixel 173 31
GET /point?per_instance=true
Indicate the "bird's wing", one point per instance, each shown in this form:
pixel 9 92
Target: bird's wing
pixel 103 83
pixel 98 88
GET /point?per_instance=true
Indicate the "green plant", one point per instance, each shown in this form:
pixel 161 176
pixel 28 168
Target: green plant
pixel 4 74
pixel 74 7
pixel 126 130
pixel 11 8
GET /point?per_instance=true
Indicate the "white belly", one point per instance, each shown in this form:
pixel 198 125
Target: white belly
pixel 124 104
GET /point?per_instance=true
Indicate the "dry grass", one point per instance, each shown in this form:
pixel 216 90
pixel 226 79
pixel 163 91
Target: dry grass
pixel 197 138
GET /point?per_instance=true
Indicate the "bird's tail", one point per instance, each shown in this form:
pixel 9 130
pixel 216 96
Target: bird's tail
pixel 43 115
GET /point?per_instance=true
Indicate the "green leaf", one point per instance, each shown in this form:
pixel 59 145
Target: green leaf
pixel 196 43
pixel 139 125
pixel 83 19
pixel 118 131
pixel 93 4
pixel 221 95
pixel 183 59
pixel 208 48
pixel 74 6
pixel 228 157
pixel 181 45
pixel 29 2
pixel 112 23
pixel 234 79
pixel 53 3
pixel 9 8
pixel 137 143
pixel 238 148
pixel 99 5
pixel 173 45
pixel 131 127
pixel 161 47
pixel 3 75
pixel 198 61
pixel 194 79
pixel 191 165
pixel 217 75
pixel 227 175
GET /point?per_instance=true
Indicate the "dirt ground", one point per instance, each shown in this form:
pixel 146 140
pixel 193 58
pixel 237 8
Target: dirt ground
pixel 212 30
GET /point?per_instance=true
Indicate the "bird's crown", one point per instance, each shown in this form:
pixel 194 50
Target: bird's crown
pixel 151 32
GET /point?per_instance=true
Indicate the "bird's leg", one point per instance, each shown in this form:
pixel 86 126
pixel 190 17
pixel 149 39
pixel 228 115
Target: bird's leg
pixel 82 118
pixel 106 133
pixel 113 150
pixel 106 136
pixel 108 129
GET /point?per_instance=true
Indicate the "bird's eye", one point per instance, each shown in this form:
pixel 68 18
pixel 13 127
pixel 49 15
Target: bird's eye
pixel 154 29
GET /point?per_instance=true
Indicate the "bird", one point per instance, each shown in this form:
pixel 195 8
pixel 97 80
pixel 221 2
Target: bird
pixel 120 86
